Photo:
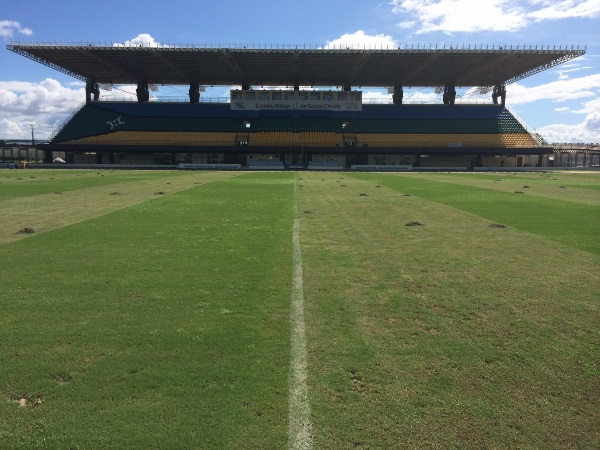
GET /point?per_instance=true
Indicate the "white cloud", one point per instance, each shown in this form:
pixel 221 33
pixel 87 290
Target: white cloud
pixel 141 40
pixel 376 97
pixel 557 91
pixel 586 131
pixel 361 40
pixel 123 92
pixel 562 74
pixel 13 130
pixel 591 107
pixel 44 105
pixel 407 24
pixel 469 16
pixel 422 97
pixel 450 16
pixel 582 88
pixel 555 10
pixel 8 28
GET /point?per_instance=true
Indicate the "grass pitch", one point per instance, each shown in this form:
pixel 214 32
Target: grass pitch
pixel 152 309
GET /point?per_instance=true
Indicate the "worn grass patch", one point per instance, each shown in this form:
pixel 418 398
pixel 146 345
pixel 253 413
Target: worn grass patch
pixel 45 210
pixel 567 216
pixel 452 335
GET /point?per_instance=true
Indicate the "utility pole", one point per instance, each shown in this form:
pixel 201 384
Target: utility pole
pixel 32 136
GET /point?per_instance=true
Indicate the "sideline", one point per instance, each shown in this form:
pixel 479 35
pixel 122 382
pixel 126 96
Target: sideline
pixel 299 425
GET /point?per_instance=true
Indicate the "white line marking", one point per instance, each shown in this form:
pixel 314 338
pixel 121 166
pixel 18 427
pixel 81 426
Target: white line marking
pixel 299 426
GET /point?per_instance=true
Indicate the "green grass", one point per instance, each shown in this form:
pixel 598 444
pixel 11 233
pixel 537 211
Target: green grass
pixel 163 321
pixel 161 325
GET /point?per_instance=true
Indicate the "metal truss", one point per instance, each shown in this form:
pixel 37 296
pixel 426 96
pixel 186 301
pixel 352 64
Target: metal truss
pixel 22 50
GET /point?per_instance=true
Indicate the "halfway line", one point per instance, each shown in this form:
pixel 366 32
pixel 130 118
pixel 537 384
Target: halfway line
pixel 299 426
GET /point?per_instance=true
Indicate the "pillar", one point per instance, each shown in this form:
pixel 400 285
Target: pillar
pixel 398 94
pixel 91 89
pixel 143 94
pixel 194 92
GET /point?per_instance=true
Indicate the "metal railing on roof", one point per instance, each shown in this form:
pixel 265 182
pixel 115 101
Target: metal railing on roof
pixel 323 46
pixel 366 100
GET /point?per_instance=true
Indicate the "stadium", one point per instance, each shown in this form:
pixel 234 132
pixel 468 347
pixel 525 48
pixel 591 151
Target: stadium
pixel 315 118
pixel 324 272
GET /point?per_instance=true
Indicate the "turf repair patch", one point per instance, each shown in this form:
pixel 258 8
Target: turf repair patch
pixel 26 401
pixel 26 230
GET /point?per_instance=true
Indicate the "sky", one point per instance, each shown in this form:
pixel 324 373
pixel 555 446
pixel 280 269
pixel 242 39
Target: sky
pixel 561 103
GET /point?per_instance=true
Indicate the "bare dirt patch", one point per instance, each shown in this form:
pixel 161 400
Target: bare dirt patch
pixel 26 401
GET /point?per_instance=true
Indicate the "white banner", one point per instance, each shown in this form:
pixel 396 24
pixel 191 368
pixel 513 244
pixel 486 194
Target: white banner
pixel 293 100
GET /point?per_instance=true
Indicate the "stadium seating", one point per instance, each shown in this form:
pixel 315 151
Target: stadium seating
pixel 275 138
pixel 148 138
pixel 213 124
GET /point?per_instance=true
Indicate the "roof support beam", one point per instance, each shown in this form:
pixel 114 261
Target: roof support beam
pixel 485 68
pixel 362 60
pixel 161 55
pixel 103 61
pixel 228 57
pixel 412 78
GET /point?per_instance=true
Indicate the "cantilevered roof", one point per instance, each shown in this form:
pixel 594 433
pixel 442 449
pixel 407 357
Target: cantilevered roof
pixel 294 66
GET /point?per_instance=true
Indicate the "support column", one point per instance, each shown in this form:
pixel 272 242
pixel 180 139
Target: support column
pixel 91 89
pixel 143 94
pixel 194 92
pixel 449 94
pixel 499 91
pixel 347 88
pixel 398 94
pixel 245 86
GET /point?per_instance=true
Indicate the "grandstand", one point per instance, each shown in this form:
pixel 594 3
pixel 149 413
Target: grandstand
pixel 326 126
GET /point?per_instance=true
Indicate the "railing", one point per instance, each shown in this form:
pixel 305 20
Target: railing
pixel 21 143
pixel 540 141
pixel 99 142
pixel 568 147
pixel 366 100
pixel 162 99
pixel 322 46
pixel 65 122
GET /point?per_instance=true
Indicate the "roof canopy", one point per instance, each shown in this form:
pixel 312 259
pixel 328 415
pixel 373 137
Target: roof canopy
pixel 294 66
